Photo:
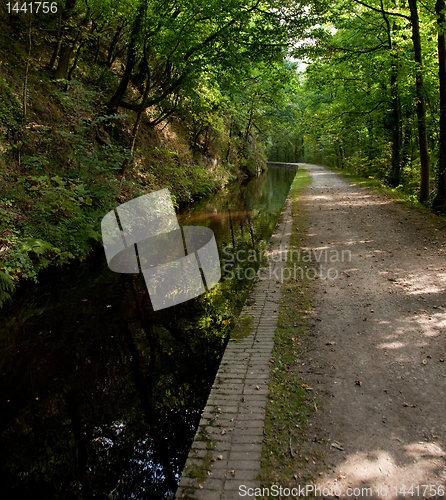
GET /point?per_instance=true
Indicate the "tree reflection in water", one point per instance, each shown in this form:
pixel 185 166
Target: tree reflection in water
pixel 99 395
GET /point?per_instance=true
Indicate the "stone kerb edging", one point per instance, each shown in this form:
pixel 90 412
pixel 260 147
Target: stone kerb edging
pixel 225 454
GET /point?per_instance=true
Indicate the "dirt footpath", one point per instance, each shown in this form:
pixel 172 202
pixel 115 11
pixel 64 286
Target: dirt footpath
pixel 380 348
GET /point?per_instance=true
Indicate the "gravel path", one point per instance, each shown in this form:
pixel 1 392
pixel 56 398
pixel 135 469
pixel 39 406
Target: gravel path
pixel 380 346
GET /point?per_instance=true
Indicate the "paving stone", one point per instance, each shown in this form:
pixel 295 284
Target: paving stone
pixel 240 484
pixel 246 439
pixel 244 465
pixel 242 447
pixel 228 409
pixel 200 453
pixel 198 494
pixel 257 415
pixel 199 445
pixel 249 424
pixel 243 455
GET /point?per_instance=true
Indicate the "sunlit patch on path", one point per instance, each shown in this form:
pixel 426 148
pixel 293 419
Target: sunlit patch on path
pixel 382 378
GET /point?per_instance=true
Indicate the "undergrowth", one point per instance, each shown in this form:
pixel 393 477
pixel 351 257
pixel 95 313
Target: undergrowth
pixel 60 167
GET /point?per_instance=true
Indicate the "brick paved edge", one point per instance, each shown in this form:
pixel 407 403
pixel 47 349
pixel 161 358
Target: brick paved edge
pixel 225 454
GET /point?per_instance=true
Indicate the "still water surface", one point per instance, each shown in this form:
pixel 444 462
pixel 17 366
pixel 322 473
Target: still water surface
pixel 100 395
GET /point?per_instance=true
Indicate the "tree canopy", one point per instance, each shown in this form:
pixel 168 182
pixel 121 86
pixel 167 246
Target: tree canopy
pixel 372 93
pixel 98 96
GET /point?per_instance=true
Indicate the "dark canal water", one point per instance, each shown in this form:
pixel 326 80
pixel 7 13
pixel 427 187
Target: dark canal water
pixel 100 395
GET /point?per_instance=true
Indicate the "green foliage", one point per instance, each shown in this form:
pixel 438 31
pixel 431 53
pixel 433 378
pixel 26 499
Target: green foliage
pixel 10 110
pixel 6 288
pixel 61 211
pixel 209 75
pixel 358 96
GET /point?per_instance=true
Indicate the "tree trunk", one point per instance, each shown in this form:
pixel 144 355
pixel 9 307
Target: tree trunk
pixel 56 50
pixel 112 47
pixel 131 61
pixel 406 155
pixel 25 83
pixel 126 162
pixel 66 48
pixel 64 61
pixel 439 203
pixel 228 152
pixel 76 58
pixel 395 177
pixel 421 104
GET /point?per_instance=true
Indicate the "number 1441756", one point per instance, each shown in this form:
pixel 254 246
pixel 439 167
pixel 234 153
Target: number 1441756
pixel 32 7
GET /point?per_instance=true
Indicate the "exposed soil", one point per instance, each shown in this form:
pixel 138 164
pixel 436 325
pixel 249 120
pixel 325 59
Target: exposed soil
pixel 378 362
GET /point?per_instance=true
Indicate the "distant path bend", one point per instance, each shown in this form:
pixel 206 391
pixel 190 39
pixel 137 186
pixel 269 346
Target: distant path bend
pixel 380 340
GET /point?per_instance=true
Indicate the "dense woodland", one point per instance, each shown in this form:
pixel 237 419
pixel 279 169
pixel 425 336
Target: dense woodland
pixel 103 100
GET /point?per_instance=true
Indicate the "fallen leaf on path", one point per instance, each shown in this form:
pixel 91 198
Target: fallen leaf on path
pixel 337 446
pixel 358 382
pixel 307 387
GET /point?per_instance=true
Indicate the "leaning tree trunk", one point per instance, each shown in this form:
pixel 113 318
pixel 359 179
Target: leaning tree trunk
pixel 132 54
pixel 126 162
pixel 66 47
pixel 440 199
pixel 421 104
pixel 56 50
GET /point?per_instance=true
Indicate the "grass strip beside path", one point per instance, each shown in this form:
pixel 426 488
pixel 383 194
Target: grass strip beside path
pixel 287 458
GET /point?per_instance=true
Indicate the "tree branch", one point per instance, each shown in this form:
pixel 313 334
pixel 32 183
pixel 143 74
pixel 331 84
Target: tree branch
pixel 380 11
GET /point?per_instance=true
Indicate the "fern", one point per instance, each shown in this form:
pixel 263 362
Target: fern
pixel 38 246
pixel 7 288
pixel 73 224
pixel 83 227
pixel 36 232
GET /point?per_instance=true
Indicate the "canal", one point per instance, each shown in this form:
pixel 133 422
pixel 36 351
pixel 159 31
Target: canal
pixel 100 395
